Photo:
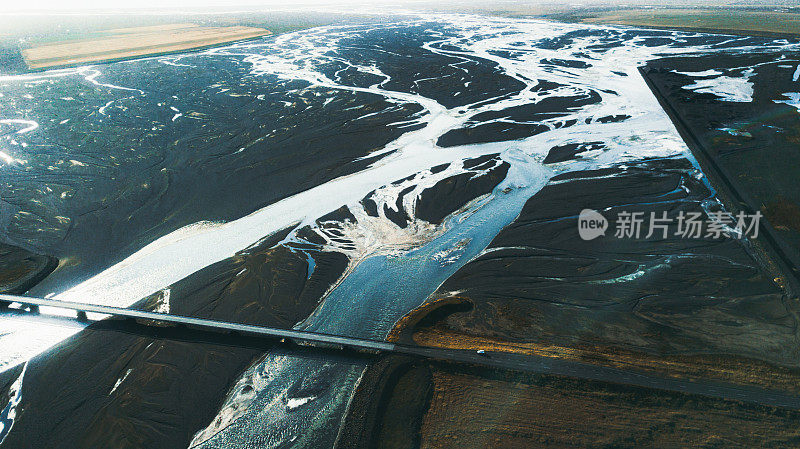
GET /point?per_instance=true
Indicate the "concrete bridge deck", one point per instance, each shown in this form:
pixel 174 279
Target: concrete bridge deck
pixel 501 360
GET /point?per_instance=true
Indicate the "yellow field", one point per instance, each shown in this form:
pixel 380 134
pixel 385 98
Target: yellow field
pixel 125 43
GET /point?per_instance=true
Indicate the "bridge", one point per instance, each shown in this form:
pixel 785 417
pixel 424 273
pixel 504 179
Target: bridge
pixel 500 360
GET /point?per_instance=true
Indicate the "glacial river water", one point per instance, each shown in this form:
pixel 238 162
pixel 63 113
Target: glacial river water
pixel 138 174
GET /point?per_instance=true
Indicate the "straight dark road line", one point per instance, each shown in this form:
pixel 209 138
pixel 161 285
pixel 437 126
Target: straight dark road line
pixel 501 360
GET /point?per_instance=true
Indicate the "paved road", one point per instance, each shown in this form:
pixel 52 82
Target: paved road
pixel 519 362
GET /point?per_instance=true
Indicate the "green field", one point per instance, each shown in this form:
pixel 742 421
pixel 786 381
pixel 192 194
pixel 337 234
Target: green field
pixel 744 21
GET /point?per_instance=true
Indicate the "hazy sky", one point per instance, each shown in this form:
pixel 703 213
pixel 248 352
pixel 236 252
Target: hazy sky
pixel 7 6
pixel 83 5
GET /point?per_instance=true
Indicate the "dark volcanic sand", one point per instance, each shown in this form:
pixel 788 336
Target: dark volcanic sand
pixel 167 389
pixel 401 403
pixel 170 388
pixel 696 305
pixel 754 143
pixel 20 269
pixel 538 283
pixel 220 135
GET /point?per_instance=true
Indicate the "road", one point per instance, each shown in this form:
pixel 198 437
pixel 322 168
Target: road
pixel 502 360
